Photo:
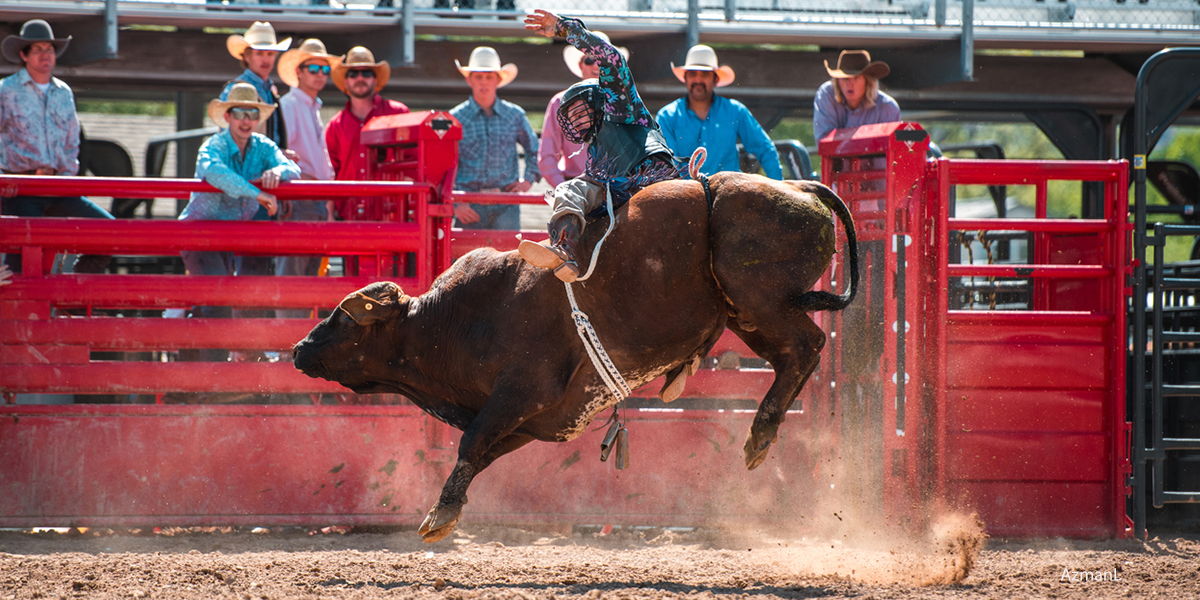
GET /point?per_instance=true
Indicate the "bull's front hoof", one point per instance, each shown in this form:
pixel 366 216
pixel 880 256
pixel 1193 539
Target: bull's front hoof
pixel 756 449
pixel 440 522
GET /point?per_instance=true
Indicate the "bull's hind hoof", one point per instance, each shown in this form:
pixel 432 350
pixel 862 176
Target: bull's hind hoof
pixel 440 522
pixel 540 255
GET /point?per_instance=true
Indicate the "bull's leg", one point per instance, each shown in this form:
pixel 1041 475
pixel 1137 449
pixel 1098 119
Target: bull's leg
pixel 489 436
pixel 444 516
pixel 793 350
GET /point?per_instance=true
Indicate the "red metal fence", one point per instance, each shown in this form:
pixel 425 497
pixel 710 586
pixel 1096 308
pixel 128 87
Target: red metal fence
pixel 936 398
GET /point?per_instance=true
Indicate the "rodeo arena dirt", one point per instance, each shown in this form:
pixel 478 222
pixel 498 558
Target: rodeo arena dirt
pixel 844 557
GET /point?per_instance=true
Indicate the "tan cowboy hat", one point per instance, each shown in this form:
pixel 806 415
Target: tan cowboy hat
pixel 484 59
pixel 360 58
pixel 241 94
pixel 704 58
pixel 572 55
pixel 308 50
pixel 33 31
pixel 852 63
pixel 260 36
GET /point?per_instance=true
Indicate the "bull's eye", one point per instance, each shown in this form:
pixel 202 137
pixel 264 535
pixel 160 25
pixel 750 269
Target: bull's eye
pixel 370 306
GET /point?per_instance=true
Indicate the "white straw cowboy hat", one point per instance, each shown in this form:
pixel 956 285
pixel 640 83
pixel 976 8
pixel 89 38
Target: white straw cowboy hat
pixel 241 94
pixel 484 59
pixel 852 63
pixel 572 55
pixel 360 58
pixel 308 50
pixel 260 36
pixel 32 32
pixel 704 58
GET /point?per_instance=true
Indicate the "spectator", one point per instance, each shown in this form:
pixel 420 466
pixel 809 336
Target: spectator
pixel 306 71
pixel 703 119
pixel 852 97
pixel 40 131
pixel 228 161
pixel 258 51
pixel 560 159
pixel 361 79
pixel 487 154
pixel 626 151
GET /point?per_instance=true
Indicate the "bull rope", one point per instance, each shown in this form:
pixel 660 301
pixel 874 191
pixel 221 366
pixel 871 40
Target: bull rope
pixel 603 364
pixel 591 341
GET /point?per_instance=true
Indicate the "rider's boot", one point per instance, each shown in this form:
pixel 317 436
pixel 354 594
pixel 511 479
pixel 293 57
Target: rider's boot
pixel 557 253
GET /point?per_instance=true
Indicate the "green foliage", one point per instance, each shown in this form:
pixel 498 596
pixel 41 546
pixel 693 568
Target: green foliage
pixel 127 107
pixel 1182 144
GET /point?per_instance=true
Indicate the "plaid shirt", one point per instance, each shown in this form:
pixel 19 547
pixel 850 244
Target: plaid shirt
pixel 487 154
pixel 38 130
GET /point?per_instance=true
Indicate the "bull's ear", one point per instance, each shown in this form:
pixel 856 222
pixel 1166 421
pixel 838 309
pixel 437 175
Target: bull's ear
pixel 382 301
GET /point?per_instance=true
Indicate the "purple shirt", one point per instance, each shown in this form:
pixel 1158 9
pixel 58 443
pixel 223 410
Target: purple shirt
pixel 829 114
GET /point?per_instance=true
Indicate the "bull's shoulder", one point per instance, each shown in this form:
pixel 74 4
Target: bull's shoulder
pixel 483 268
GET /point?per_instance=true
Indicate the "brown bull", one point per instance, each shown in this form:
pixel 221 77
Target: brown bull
pixel 492 350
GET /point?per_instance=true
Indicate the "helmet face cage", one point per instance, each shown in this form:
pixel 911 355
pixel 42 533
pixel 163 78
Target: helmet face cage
pixel 578 115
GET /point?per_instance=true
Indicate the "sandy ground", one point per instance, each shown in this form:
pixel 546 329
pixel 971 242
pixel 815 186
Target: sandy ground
pixel 486 562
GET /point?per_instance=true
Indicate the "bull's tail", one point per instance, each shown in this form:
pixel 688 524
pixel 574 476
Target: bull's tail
pixel 819 299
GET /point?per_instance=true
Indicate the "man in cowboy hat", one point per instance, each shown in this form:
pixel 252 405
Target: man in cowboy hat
pixel 560 159
pixel 228 161
pixel 40 131
pixel 626 151
pixel 487 154
pixel 258 50
pixel 702 119
pixel 360 78
pixel 852 97
pixel 306 71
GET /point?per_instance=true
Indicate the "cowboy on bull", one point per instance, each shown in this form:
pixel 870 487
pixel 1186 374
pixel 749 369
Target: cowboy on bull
pixel 626 150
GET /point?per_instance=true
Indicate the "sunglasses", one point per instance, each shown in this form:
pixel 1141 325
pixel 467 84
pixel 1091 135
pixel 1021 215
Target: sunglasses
pixel 589 61
pixel 241 112
pixel 364 73
pixel 315 69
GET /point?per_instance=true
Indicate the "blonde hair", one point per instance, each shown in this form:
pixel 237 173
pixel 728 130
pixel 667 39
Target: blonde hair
pixel 869 94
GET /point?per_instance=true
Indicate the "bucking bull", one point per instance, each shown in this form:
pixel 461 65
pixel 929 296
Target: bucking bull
pixel 492 349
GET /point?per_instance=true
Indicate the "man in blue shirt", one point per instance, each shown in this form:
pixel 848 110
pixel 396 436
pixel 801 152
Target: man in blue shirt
pixel 228 161
pixel 487 154
pixel 40 132
pixel 702 119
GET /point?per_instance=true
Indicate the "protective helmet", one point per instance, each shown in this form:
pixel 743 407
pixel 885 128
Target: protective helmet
pixel 579 114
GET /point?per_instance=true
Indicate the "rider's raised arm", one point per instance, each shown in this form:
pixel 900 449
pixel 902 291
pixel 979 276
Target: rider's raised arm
pixel 622 104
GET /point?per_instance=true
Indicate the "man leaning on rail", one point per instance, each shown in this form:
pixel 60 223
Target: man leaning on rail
pixel 41 131
pixel 228 161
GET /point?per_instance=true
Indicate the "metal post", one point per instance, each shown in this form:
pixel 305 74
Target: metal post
pixel 693 23
pixel 731 10
pixel 939 13
pixel 901 330
pixel 968 40
pixel 1156 451
pixel 407 32
pixel 110 28
pixel 1139 304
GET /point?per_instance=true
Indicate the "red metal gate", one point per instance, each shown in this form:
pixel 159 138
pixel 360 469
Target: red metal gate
pixel 1012 409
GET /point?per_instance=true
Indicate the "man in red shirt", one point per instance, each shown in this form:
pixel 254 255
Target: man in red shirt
pixel 361 79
